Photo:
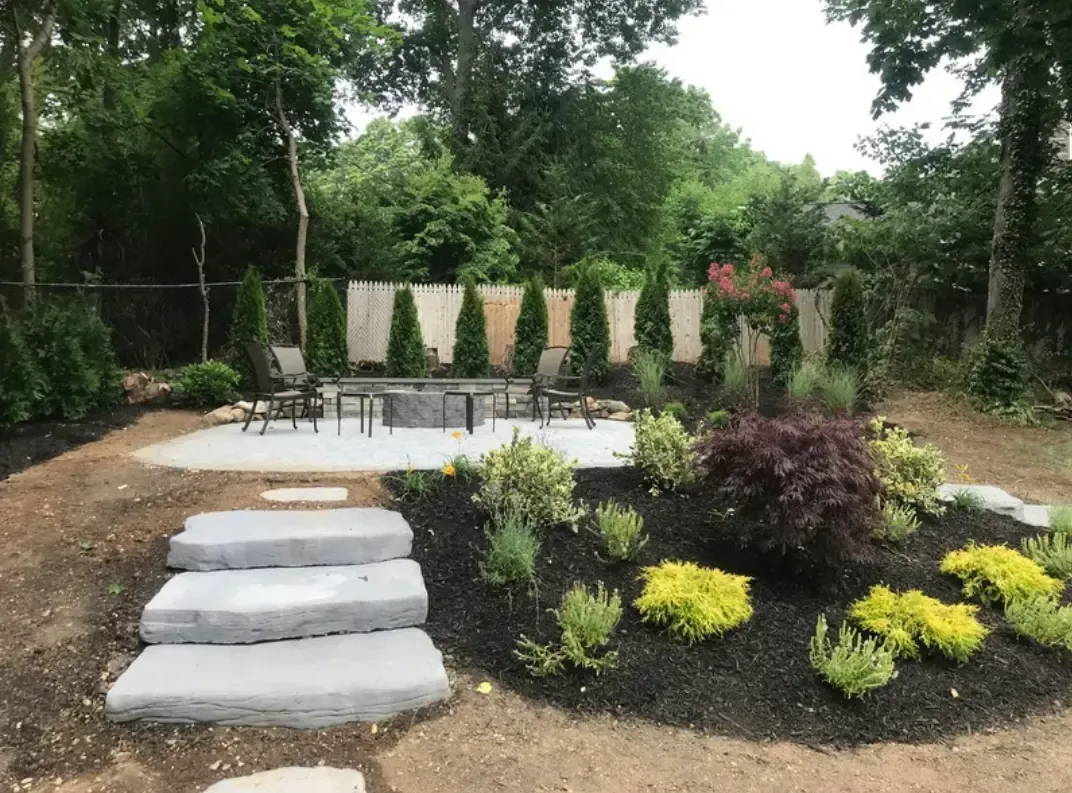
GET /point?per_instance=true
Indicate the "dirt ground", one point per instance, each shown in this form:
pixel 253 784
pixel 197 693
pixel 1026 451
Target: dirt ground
pixel 85 541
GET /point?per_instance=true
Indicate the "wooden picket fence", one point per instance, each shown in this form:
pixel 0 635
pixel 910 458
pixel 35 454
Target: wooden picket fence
pixel 369 307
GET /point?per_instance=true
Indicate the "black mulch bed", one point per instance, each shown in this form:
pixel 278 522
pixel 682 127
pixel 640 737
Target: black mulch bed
pixel 36 442
pixel 756 681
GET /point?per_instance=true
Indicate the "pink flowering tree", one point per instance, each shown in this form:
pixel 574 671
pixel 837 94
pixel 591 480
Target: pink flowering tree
pixel 751 292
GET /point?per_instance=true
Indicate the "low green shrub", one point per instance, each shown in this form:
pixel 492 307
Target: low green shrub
pixel 19 378
pixel 587 621
pixel 1061 519
pixel 677 410
pixel 209 384
pixel 910 474
pixel 414 485
pixel 838 390
pixel 693 602
pixel 1042 620
pixel 895 523
pixel 524 478
pixel 854 666
pixel 662 450
pixel 650 371
pixel 1052 551
pixel 717 419
pixel 510 557
pixel 997 573
pixel 910 619
pixel 622 530
pixel 965 500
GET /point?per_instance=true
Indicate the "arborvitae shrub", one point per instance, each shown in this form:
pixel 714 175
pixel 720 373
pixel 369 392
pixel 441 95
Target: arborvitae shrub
pixel 96 339
pixel 718 334
pixel 249 322
pixel 19 382
pixel 801 483
pixel 848 343
pixel 651 325
pixel 786 349
pixel 530 332
pixel 326 349
pixel 589 326
pixel 471 356
pixel 405 348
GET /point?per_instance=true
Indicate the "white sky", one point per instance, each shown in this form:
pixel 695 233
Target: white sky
pixel 793 83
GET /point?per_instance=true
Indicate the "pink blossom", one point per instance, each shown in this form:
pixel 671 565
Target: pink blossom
pixel 713 271
pixel 766 272
pixel 786 308
pixel 745 295
pixel 727 270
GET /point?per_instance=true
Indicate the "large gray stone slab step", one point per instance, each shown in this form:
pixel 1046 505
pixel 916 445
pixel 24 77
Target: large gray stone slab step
pixel 992 497
pixel 290 538
pixel 303 683
pixel 244 606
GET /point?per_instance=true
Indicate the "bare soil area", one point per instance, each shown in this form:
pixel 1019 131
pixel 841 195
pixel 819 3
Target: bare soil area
pixel 85 540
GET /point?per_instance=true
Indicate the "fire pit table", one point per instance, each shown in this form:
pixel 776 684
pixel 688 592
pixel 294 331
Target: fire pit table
pixel 429 409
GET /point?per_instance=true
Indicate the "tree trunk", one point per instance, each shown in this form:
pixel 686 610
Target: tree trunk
pixel 1023 108
pixel 27 54
pixel 199 259
pixel 303 213
pixel 467 45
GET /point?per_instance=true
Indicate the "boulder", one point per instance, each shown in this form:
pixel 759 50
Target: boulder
pixel 157 393
pixel 622 415
pixel 237 414
pixel 245 407
pixel 140 388
pixel 614 406
pixel 221 415
pixel 295 780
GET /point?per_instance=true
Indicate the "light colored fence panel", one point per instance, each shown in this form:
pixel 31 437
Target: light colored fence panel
pixel 369 308
pixel 814 307
pixel 686 308
pixel 559 306
pixel 502 304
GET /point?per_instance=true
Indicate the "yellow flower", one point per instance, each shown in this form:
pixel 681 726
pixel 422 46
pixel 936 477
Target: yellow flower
pixel 457 436
pixel 448 469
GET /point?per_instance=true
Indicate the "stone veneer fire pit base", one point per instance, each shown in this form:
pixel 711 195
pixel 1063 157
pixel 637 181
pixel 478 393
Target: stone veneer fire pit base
pixel 425 409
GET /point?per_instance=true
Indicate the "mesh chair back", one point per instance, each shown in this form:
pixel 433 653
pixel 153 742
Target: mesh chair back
pixel 262 369
pixel 589 365
pixel 551 360
pixel 291 364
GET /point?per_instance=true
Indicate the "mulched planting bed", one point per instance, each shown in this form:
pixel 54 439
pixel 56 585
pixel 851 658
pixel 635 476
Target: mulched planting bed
pixel 756 681
pixel 36 442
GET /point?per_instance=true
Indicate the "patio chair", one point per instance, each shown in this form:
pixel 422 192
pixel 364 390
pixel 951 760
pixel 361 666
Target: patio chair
pixel 580 395
pixel 548 372
pixel 288 393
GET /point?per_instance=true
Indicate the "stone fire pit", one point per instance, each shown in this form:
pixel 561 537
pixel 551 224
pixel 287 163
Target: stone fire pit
pixel 425 409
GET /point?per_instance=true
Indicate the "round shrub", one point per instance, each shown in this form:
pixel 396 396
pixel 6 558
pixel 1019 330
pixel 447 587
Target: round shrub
pixel 209 384
pixel 693 602
pixel 524 479
pixel 910 474
pixel 997 573
pixel 662 450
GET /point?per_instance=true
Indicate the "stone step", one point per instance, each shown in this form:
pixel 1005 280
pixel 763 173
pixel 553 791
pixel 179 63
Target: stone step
pixel 306 494
pixel 303 683
pixel 295 780
pixel 290 538
pixel 245 606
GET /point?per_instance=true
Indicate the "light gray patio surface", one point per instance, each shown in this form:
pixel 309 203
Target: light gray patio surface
pixel 283 448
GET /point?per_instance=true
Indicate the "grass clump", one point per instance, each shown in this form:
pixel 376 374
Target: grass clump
pixel 997 573
pixel 414 485
pixel 736 382
pixel 854 666
pixel 510 557
pixel 622 530
pixel 693 602
pixel 587 621
pixel 1061 518
pixel 910 474
pixel 662 450
pixel 965 500
pixel 838 389
pixel 677 410
pixel 906 621
pixel 650 372
pixel 1053 552
pixel 804 382
pixel 895 523
pixel 1042 620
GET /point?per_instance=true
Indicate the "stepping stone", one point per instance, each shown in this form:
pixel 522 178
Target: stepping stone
pixel 994 498
pixel 243 606
pixel 295 780
pixel 1036 515
pixel 304 683
pixel 290 538
pixel 306 494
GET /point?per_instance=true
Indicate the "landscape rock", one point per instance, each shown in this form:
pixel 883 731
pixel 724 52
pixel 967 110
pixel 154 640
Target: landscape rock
pixel 622 416
pixel 1037 515
pixel 302 683
pixel 614 406
pixel 289 494
pixel 237 414
pixel 295 780
pixel 246 406
pixel 221 415
pixel 291 538
pixel 140 389
pixel 993 498
pixel 245 606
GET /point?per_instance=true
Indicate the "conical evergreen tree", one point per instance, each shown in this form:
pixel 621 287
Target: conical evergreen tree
pixel 326 352
pixel 405 347
pixel 847 344
pixel 589 325
pixel 530 332
pixel 651 327
pixel 249 322
pixel 471 357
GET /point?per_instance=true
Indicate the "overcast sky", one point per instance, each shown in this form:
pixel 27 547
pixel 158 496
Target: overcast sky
pixel 793 83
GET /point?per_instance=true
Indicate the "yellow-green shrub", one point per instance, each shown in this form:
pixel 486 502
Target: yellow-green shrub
pixel 998 573
pixel 662 450
pixel 909 619
pixel 693 602
pixel 910 474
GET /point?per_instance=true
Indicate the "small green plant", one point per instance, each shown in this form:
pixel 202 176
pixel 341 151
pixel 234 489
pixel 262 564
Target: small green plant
pixel 662 450
pixel 1052 551
pixel 677 410
pixel 838 391
pixel 910 619
pixel 854 666
pixel 910 474
pixel 587 621
pixel 997 573
pixel 622 530
pixel 459 467
pixel 736 382
pixel 405 347
pixel 896 523
pixel 1061 519
pixel 693 602
pixel 1042 620
pixel 524 478
pixel 510 557
pixel 115 589
pixel 414 485
pixel 965 500
pixel 208 384
pixel 471 355
pixel 804 382
pixel 650 371
pixel 717 419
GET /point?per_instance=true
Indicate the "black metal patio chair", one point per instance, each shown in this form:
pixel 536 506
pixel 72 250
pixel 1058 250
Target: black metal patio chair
pixel 548 372
pixel 279 392
pixel 580 395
